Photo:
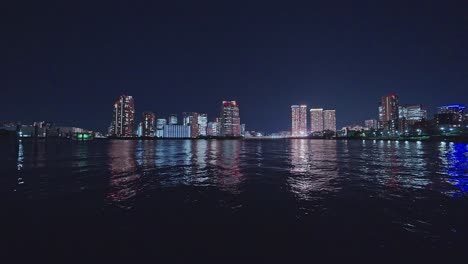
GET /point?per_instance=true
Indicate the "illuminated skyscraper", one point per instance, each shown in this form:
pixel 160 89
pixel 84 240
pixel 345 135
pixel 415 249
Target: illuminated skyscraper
pixel 123 117
pixel 148 124
pixel 191 119
pixel 230 119
pixel 160 123
pixel 173 119
pixel 202 123
pixel 316 120
pixel 299 120
pixel 329 120
pixel 389 112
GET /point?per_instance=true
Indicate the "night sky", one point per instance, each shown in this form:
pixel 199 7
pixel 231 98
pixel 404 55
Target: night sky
pixel 69 61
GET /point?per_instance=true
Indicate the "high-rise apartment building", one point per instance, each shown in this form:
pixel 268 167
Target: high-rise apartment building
pixel 148 124
pixel 389 112
pixel 329 120
pixel 299 120
pixel 123 117
pixel 191 119
pixel 202 124
pixel 316 120
pixel 230 119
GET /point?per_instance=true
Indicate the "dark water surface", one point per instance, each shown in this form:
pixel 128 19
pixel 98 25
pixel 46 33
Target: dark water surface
pixel 308 198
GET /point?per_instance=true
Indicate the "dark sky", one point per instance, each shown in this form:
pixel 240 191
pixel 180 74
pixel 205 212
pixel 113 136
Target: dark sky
pixel 68 61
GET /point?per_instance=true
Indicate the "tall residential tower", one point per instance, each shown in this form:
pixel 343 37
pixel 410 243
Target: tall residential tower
pixel 123 117
pixel 148 124
pixel 299 120
pixel 316 120
pixel 230 119
pixel 329 120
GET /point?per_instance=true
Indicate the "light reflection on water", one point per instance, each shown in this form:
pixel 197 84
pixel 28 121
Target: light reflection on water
pixel 313 168
pixel 309 169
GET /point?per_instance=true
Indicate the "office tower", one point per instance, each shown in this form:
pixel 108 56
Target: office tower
pixel 389 112
pixel 415 113
pixel 450 115
pixel 173 119
pixel 123 117
pixel 176 131
pixel 299 120
pixel 316 120
pixel 160 123
pixel 329 120
pixel 213 129
pixel 409 116
pixel 191 119
pixel 230 119
pixel 202 123
pixel 148 124
pixel 371 124
pixel 243 130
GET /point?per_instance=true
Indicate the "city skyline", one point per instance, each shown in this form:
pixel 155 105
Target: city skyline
pixel 319 54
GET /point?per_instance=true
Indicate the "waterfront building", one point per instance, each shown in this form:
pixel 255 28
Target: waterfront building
pixel 173 119
pixel 230 119
pixel 316 120
pixel 123 117
pixel 176 131
pixel 213 129
pixel 450 115
pixel 148 129
pixel 371 124
pixel 299 120
pixel 160 123
pixel 389 112
pixel 202 124
pixel 329 120
pixel 409 115
pixel 243 130
pixel 191 119
pixel 412 113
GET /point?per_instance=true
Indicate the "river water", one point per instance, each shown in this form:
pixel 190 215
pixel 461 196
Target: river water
pixel 208 198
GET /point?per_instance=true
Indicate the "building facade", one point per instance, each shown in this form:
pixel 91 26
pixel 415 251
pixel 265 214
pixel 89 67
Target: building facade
pixel 316 120
pixel 148 124
pixel 230 119
pixel 389 113
pixel 329 120
pixel 213 129
pixel 299 120
pixel 191 119
pixel 450 115
pixel 173 119
pixel 160 123
pixel 123 117
pixel 202 124
pixel 371 124
pixel 176 131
